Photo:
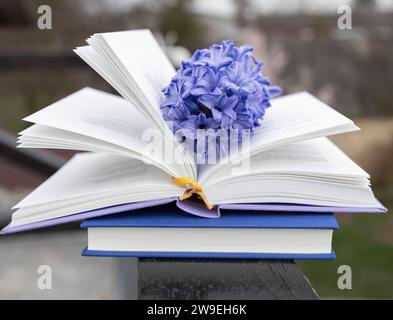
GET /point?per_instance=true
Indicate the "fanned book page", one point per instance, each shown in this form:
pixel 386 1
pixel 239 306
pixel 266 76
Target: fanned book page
pixel 291 118
pixel 90 181
pixel 290 160
pixel 91 120
pixel 134 64
pixel 313 172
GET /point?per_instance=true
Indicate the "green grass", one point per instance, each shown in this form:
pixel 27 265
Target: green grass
pixel 365 243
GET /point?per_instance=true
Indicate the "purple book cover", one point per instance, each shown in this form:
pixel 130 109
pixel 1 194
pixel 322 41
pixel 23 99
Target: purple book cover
pixel 190 206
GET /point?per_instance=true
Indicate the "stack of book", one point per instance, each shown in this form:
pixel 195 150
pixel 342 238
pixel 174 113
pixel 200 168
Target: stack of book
pixel 125 191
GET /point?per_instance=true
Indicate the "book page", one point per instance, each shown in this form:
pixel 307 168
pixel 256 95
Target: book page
pixel 315 157
pixel 297 115
pixel 230 240
pixel 114 77
pixel 38 135
pixel 95 114
pixel 133 62
pixel 142 61
pixel 312 172
pixel 102 117
pixel 90 173
pixel 93 181
pixel 290 118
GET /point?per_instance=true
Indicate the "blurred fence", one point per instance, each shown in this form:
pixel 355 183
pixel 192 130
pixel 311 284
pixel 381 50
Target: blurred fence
pixel 38 59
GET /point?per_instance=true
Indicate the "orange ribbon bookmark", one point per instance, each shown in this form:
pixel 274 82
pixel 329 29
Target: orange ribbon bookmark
pixel 193 187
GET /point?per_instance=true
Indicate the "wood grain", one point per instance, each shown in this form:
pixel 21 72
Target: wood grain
pixel 218 279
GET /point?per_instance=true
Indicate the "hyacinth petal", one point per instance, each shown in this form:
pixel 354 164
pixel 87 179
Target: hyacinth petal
pixel 274 91
pixel 204 78
pixel 169 102
pixel 199 91
pixel 216 114
pixel 207 101
pixel 211 124
pixel 226 121
pixel 244 49
pixel 191 124
pixel 223 63
pixel 230 113
pixel 216 92
pixel 192 106
pixel 201 120
pixel 248 87
pixel 231 102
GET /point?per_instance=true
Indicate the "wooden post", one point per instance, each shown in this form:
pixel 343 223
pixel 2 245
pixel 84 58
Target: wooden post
pixel 206 279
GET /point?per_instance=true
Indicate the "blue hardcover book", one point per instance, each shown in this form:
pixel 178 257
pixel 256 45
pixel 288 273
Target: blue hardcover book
pixel 167 232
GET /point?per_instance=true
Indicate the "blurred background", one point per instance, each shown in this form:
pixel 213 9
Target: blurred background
pixel 303 50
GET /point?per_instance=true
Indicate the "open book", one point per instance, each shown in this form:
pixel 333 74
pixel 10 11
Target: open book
pixel 290 164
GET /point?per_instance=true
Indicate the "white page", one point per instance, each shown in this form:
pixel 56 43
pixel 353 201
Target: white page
pixel 102 116
pixel 139 58
pixel 290 118
pixel 239 240
pixel 142 61
pixel 47 211
pixel 89 174
pixel 41 136
pixel 290 190
pixel 95 114
pixel 297 115
pixel 107 70
pixel 312 172
pixel 133 62
pixel 94 181
pixel 317 157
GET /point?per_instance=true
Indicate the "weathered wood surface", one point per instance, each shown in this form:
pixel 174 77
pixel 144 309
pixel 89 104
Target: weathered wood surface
pixel 213 279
